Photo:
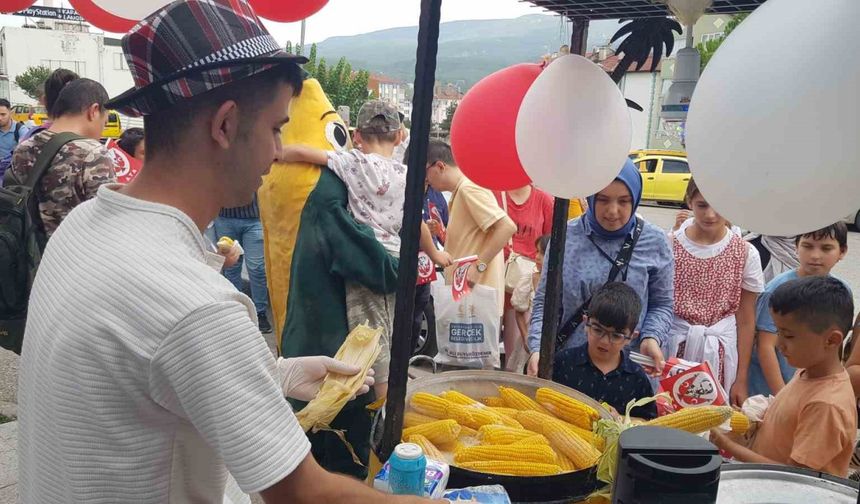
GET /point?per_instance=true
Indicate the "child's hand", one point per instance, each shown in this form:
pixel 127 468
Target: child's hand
pixel 681 218
pixel 443 259
pixel 721 440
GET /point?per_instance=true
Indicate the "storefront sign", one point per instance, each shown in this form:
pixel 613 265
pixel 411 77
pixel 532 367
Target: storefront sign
pixel 55 13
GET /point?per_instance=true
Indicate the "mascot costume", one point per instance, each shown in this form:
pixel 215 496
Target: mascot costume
pixel 286 188
pixel 313 246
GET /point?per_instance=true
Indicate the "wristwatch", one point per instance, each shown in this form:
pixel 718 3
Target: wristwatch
pixel 481 266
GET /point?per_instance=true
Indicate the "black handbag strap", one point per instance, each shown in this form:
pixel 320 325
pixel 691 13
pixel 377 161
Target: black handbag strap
pixel 621 262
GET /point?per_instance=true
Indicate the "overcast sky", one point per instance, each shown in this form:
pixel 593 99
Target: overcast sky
pixel 351 17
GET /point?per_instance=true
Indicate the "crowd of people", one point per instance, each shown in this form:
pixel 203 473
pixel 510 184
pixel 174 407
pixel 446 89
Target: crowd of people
pixel 158 366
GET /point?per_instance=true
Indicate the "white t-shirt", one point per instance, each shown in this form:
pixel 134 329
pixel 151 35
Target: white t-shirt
pixel 753 280
pixel 376 186
pixel 144 377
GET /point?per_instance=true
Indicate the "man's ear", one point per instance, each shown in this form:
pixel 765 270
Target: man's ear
pixel 94 112
pixel 224 128
pixel 634 336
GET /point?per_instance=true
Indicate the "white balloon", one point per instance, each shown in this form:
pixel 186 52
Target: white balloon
pixel 573 130
pixel 773 133
pixel 134 10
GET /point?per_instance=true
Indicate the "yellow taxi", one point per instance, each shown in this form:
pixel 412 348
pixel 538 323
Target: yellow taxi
pixel 25 113
pixel 113 128
pixel 665 174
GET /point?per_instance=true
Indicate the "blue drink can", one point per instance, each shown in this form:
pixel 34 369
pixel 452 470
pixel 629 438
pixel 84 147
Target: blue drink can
pixel 408 467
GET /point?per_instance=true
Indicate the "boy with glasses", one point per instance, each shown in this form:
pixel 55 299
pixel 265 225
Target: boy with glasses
pixel 602 369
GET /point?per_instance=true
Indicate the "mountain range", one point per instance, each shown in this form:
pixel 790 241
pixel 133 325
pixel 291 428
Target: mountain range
pixel 468 50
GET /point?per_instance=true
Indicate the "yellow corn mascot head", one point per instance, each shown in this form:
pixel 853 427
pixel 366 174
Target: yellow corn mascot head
pixel 313 122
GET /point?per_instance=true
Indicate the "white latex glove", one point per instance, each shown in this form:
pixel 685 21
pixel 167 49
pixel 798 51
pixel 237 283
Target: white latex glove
pixel 302 377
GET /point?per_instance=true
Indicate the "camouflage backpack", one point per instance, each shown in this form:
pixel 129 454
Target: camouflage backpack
pixel 22 241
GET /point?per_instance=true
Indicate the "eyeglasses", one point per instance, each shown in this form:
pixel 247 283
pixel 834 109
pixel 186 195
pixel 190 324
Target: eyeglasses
pixel 601 332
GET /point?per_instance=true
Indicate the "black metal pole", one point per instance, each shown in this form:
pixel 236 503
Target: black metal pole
pixel 401 344
pixel 555 259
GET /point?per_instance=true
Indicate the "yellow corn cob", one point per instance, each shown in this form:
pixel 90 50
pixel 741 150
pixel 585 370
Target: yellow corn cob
pixel 538 453
pixel 457 398
pixel 517 400
pixel 537 439
pixel 508 412
pixel 429 448
pixel 411 419
pixel 429 405
pixel 509 421
pixel 567 408
pixel 694 420
pixel 360 348
pixel 592 438
pixel 468 432
pixel 565 463
pixel 474 417
pixel 502 434
pixel 512 468
pixel 451 447
pixel 740 423
pixel 493 401
pixel 438 432
pixel 537 422
pixel 579 451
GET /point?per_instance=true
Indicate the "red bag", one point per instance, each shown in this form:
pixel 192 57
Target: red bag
pixel 690 384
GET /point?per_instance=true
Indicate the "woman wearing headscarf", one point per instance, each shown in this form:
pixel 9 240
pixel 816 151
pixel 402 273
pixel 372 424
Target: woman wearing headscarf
pixel 594 243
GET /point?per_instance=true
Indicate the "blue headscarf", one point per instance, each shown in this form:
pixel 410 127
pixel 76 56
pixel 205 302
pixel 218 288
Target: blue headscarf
pixel 631 178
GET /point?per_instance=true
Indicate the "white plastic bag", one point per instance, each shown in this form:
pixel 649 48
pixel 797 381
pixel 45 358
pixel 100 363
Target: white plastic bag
pixel 467 332
pixel 756 406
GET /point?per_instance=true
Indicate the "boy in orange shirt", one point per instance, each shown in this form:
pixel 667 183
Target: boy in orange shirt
pixel 812 422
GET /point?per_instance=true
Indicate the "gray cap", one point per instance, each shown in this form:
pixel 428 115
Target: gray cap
pixel 378 108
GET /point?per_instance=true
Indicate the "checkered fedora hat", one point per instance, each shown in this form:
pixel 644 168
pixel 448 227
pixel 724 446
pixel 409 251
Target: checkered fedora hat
pixel 190 47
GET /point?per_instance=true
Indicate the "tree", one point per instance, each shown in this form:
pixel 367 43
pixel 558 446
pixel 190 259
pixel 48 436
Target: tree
pixel 449 116
pixel 343 85
pixel 709 48
pixel 32 80
pixel 644 37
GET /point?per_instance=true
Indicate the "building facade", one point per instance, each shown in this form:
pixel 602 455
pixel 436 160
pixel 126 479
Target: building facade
pixel 61 45
pixel 444 96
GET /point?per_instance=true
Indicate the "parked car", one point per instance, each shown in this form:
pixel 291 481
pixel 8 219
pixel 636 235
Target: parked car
pixel 665 174
pixel 113 128
pixel 35 114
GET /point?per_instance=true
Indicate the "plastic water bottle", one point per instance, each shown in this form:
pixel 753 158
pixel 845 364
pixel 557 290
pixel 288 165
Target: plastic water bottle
pixel 408 467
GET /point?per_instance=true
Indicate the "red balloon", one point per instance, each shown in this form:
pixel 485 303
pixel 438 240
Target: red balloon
pixel 483 130
pixel 9 6
pixel 287 11
pixel 101 18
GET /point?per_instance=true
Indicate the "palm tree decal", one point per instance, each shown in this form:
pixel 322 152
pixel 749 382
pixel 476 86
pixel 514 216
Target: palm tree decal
pixel 644 36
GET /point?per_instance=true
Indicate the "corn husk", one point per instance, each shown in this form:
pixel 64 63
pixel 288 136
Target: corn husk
pixel 360 349
pixel 611 430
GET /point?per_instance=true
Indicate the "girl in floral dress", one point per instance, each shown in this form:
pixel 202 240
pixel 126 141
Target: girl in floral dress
pixel 718 277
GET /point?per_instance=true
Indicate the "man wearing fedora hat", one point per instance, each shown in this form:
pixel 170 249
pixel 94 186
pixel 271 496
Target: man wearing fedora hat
pixel 146 381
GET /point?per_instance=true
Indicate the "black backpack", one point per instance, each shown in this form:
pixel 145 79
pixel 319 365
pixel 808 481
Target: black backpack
pixel 22 240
